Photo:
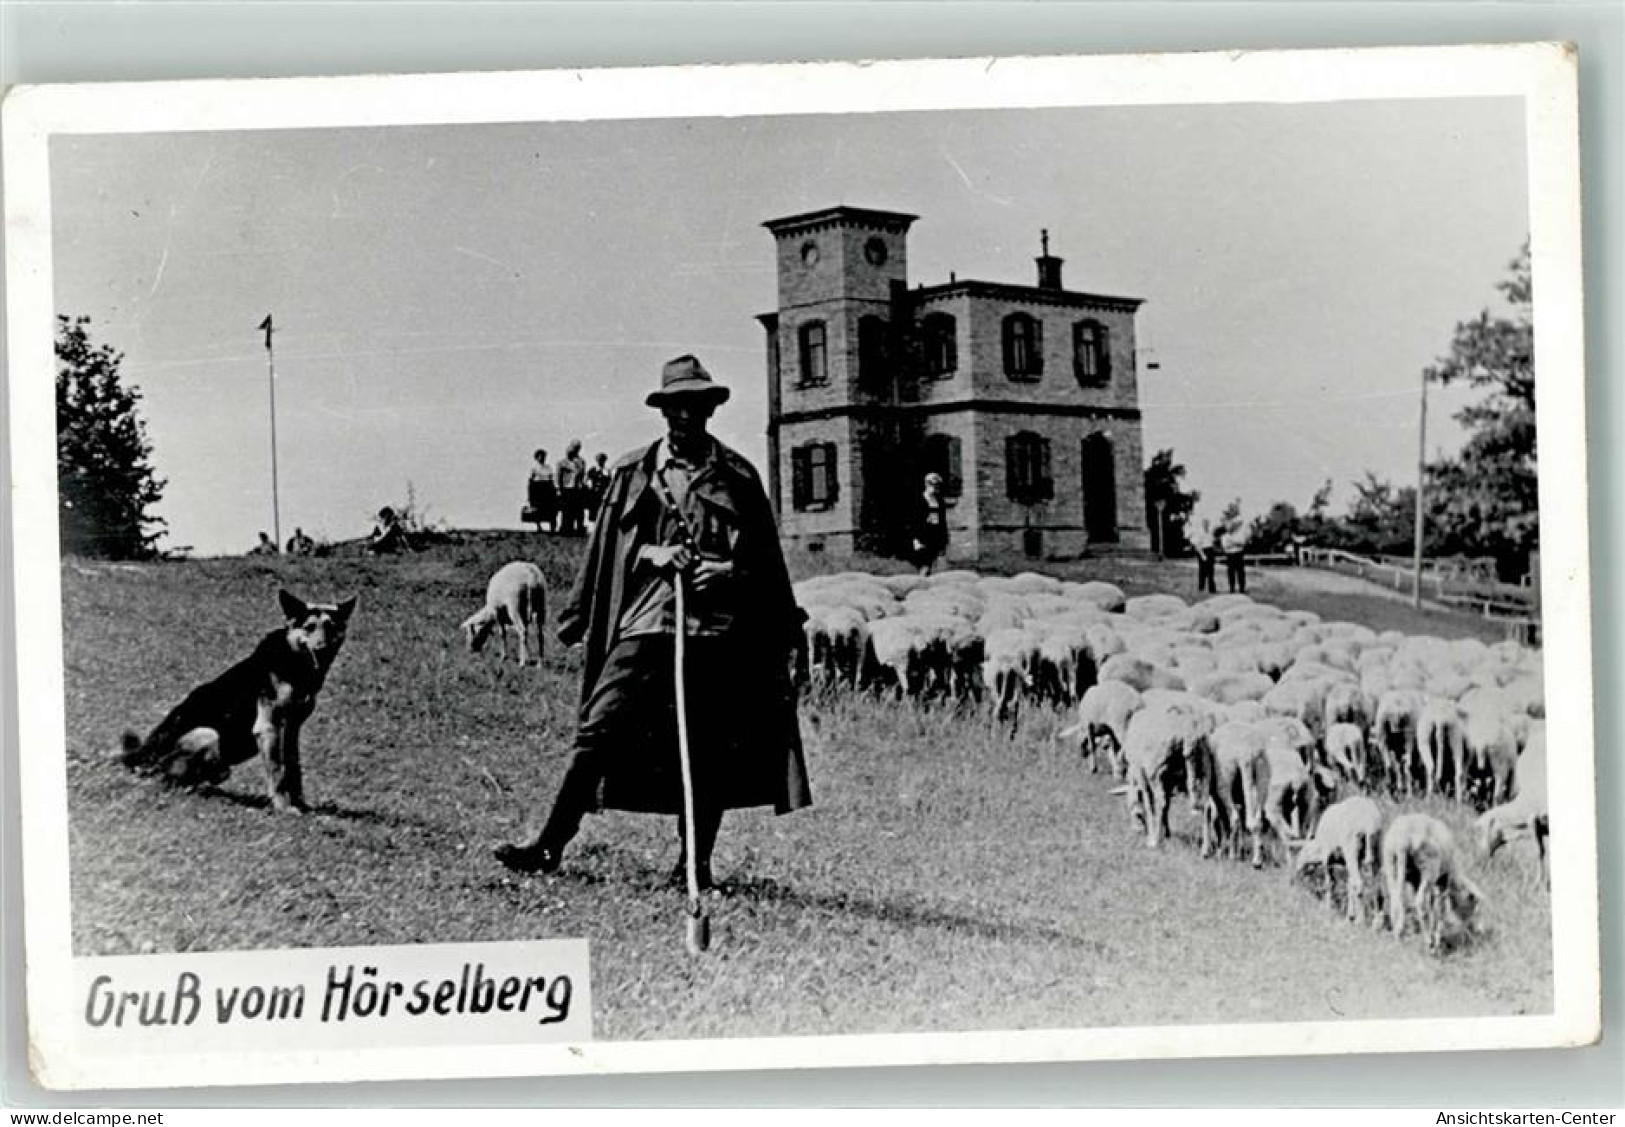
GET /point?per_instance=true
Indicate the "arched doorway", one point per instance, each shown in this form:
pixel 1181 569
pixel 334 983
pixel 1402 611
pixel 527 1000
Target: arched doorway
pixel 1099 490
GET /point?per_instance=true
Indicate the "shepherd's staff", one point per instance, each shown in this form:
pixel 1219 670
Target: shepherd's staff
pixel 698 935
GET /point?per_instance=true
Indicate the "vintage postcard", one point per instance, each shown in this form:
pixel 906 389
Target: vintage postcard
pixel 1003 559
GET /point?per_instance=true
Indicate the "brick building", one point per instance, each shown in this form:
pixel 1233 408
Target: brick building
pixel 1024 397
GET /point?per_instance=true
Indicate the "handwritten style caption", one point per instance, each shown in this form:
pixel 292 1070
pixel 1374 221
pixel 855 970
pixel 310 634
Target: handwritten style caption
pixel 492 993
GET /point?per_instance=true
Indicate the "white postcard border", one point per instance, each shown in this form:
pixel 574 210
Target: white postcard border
pixel 1541 74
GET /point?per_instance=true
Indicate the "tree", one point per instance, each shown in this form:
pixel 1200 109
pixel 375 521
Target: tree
pixel 1380 519
pixel 1163 483
pixel 105 482
pixel 1275 530
pixel 1487 499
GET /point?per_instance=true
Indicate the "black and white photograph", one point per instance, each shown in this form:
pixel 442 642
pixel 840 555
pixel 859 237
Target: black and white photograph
pixel 767 566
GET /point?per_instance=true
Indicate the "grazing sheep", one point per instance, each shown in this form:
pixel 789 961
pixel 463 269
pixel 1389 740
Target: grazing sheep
pixel 1345 703
pixel 1146 608
pixel 1233 802
pixel 1139 672
pixel 1526 813
pixel 1300 700
pixel 1293 733
pixel 1166 753
pixel 1349 831
pixel 1346 751
pixel 1419 862
pixel 1106 596
pixel 515 599
pixel 1009 662
pixel 896 648
pixel 835 639
pixel 1394 729
pixel 1490 755
pixel 1102 725
pixel 1248 710
pixel 1291 801
pixel 1438 746
pixel 1232 688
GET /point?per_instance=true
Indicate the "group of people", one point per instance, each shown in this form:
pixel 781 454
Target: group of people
pixel 1213 545
pixel 561 497
pixel 298 545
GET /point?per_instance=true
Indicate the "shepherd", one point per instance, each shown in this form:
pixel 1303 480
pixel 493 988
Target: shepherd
pixel 685 505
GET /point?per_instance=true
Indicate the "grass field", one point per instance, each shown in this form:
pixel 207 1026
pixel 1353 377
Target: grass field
pixel 949 876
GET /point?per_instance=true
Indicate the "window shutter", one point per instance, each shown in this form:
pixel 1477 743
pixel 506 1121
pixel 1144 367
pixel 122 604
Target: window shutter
pixel 955 467
pixel 1105 354
pixel 834 473
pixel 1012 468
pixel 798 477
pixel 1036 364
pixel 1045 485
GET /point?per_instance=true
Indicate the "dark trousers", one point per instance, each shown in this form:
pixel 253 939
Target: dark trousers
pixel 1204 574
pixel 627 731
pixel 578 797
pixel 1235 572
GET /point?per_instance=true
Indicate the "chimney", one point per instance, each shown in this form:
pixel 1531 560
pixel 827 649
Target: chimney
pixel 1049 267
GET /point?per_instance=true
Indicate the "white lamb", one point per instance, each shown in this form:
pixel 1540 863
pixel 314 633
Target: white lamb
pixel 1009 662
pixel 1349 831
pixel 1103 718
pixel 515 599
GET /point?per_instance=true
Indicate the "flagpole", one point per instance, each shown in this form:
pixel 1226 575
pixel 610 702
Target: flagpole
pixel 270 365
pixel 1421 483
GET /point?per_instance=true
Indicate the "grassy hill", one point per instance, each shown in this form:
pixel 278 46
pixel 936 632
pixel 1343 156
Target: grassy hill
pixel 951 874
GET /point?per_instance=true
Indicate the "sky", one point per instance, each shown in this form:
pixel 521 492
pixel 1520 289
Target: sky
pixel 448 298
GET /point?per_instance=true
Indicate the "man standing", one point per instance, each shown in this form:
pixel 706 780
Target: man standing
pixel 685 506
pixel 1206 548
pixel 572 480
pixel 1235 561
pixel 597 482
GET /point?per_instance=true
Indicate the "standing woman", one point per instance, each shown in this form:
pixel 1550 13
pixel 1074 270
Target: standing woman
pixel 542 494
pixel 930 525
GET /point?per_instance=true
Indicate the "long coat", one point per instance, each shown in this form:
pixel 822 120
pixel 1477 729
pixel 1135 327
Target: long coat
pixel 768 623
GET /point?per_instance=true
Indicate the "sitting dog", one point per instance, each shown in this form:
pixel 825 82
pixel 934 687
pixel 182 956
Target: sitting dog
pixel 255 707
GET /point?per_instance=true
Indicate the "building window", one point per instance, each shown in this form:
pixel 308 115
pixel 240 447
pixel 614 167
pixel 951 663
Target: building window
pixel 1023 347
pixel 814 355
pixel 940 334
pixel 813 483
pixel 1091 359
pixel 873 353
pixel 1027 468
pixel 942 456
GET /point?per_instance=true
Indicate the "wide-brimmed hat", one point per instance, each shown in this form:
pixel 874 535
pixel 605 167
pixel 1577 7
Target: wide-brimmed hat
pixel 686 376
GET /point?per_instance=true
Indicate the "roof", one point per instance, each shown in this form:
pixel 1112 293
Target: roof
pixel 841 213
pixel 1007 291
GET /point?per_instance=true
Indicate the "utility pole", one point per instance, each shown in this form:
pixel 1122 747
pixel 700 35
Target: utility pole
pixel 270 364
pixel 1421 479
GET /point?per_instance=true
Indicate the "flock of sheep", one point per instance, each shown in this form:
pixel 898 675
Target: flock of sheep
pixel 1273 723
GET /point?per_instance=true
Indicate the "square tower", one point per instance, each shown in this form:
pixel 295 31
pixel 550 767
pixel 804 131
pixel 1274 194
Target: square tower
pixel 834 368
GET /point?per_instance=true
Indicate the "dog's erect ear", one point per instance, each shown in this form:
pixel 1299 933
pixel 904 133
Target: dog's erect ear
pixel 294 608
pixel 345 609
